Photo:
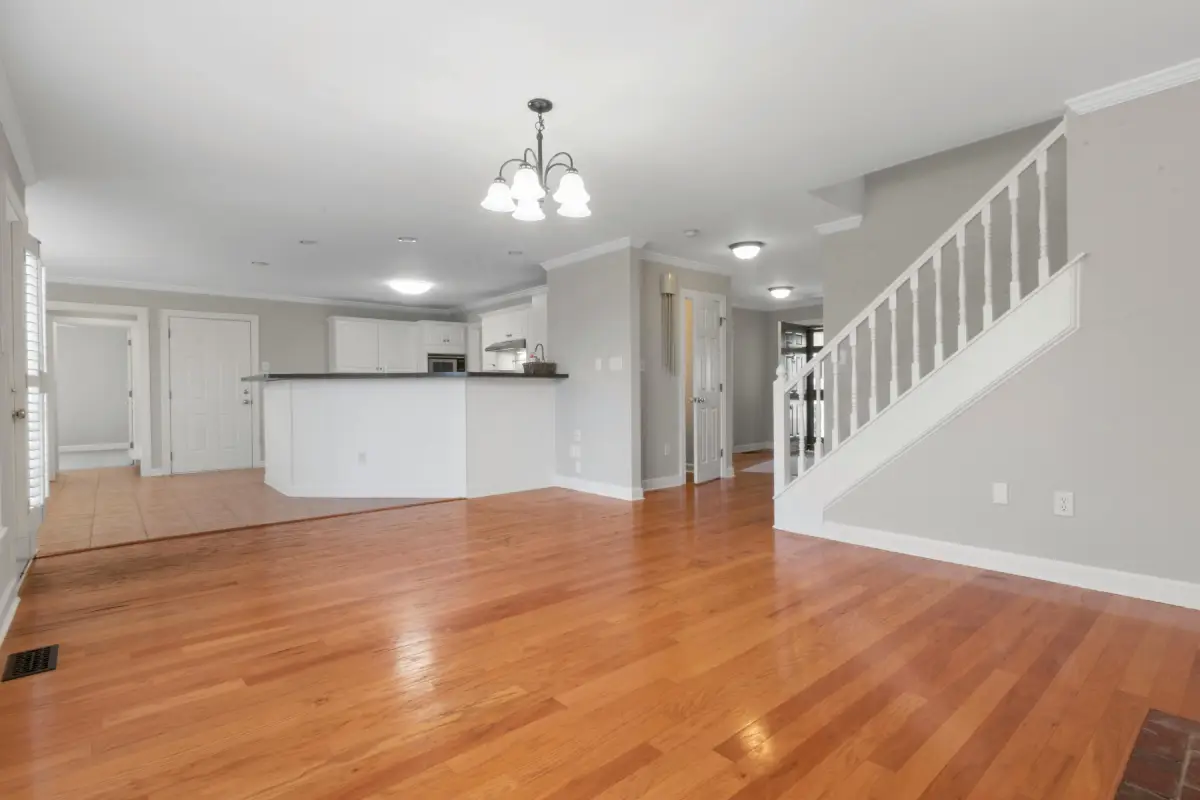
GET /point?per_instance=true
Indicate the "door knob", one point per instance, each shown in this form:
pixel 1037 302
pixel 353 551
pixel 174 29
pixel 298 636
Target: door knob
pixel 18 414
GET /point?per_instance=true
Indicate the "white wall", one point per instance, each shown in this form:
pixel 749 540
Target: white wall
pixel 1109 414
pixel 293 337
pixel 92 384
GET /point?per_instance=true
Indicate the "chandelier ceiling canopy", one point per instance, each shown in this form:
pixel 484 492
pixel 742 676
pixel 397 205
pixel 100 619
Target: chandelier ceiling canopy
pixel 531 179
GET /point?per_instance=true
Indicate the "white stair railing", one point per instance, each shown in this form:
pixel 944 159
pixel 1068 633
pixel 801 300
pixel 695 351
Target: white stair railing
pixel 841 365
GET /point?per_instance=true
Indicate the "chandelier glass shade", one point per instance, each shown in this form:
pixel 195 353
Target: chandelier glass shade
pixel 531 179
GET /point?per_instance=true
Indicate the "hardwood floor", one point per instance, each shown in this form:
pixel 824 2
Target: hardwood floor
pixel 103 507
pixel 558 645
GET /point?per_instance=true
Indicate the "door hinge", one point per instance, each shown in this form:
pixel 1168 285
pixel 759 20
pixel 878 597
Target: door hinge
pixel 722 452
pixel 170 395
pixel 131 445
pixel 722 386
pixel 131 392
pixel 722 321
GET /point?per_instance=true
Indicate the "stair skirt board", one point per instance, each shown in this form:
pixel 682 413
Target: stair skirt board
pixel 1045 317
pixel 1083 576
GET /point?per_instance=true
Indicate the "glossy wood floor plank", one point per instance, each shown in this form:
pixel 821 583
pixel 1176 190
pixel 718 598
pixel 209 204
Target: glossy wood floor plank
pixel 557 645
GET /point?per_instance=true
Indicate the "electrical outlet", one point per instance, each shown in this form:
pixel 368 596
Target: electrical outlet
pixel 667 449
pixel 266 367
pixel 578 467
pixel 1064 504
pixel 1000 494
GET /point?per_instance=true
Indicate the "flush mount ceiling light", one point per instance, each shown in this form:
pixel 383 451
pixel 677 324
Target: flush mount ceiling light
pixel 308 241
pixel 516 252
pixel 260 263
pixel 410 287
pixel 780 292
pixel 406 239
pixel 692 233
pixel 746 250
pixel 524 198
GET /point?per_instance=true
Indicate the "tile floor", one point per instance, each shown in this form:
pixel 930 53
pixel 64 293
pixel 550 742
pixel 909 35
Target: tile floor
pixel 102 507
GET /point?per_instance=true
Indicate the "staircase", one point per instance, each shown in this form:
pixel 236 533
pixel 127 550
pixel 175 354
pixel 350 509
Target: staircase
pixel 987 297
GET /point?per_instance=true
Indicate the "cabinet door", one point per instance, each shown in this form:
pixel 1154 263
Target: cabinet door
pixel 510 325
pixel 456 337
pixel 435 335
pixel 355 346
pixel 398 351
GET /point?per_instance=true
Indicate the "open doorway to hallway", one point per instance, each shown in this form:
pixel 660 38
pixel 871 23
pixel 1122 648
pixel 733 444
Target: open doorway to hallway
pixel 92 422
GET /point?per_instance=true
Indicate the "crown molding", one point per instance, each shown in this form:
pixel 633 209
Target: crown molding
pixel 520 294
pixel 684 263
pixel 624 243
pixel 839 225
pixel 14 131
pixel 1125 91
pixel 277 298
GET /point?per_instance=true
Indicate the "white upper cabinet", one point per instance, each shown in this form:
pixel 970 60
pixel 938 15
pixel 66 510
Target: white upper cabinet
pixel 448 338
pixel 505 325
pixel 399 347
pixel 375 345
pixel 353 345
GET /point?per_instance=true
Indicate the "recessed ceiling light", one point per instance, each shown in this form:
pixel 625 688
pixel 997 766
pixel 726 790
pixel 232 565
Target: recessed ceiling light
pixel 411 287
pixel 308 241
pixel 746 250
pixel 260 263
pixel 406 239
pixel 516 252
pixel 691 233
pixel 780 292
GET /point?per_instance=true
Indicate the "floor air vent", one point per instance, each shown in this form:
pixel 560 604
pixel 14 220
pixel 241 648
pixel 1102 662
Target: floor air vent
pixel 31 662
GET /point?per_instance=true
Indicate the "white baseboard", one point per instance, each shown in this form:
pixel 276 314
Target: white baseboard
pixel 260 464
pixel 1100 579
pixel 752 448
pixel 594 487
pixel 7 619
pixel 92 448
pixel 665 482
pixel 155 472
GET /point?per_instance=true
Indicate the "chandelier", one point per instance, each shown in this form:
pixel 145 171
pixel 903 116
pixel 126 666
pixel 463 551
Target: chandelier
pixel 530 181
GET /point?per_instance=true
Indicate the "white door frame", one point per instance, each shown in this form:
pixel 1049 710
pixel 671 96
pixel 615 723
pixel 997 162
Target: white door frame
pixel 140 328
pixel 130 327
pixel 164 351
pixel 680 327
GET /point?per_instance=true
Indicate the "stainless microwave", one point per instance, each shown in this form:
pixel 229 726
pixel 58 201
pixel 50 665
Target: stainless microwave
pixel 447 363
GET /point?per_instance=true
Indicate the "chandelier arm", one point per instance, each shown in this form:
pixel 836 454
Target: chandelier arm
pixel 570 160
pixel 567 167
pixel 500 172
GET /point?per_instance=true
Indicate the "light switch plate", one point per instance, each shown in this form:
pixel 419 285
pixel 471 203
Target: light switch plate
pixel 599 364
pixel 615 363
pixel 266 367
pixel 1000 494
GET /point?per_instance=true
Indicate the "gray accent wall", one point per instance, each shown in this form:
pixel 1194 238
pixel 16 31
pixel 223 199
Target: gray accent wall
pixel 662 407
pixel 293 337
pixel 594 320
pixel 1110 413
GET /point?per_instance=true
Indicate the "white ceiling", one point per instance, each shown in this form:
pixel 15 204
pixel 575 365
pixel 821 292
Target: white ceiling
pixel 177 141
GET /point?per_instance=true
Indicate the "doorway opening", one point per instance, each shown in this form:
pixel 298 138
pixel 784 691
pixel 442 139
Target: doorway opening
pixel 704 452
pixel 94 423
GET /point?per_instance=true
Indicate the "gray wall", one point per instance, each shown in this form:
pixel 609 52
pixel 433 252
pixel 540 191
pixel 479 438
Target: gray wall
pixel 293 337
pixel 905 209
pixel 594 315
pixel 755 359
pixel 92 382
pixel 1109 413
pixel 662 408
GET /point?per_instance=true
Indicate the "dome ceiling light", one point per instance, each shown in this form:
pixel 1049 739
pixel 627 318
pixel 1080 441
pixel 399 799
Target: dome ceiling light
pixel 746 250
pixel 524 198
pixel 780 292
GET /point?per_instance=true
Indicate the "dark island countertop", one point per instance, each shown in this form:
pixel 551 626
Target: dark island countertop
pixel 334 376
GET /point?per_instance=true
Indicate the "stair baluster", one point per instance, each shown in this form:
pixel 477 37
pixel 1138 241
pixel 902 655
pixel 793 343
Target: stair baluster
pixel 987 266
pixel 961 240
pixel 1043 222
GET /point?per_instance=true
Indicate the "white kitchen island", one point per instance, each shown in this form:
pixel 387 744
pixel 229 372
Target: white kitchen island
pixel 408 435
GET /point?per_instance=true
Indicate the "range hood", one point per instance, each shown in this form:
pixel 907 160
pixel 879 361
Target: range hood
pixel 505 347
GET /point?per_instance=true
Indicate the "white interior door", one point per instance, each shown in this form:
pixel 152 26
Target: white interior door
pixel 706 388
pixel 211 408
